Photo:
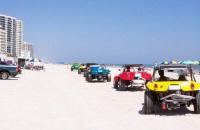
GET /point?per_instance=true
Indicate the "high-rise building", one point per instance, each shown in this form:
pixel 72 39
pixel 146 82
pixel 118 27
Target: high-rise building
pixel 27 50
pixel 19 37
pixel 14 34
pixel 2 41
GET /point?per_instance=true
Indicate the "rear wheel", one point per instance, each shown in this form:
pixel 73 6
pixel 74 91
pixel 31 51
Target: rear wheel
pixel 4 75
pixel 109 78
pixel 148 102
pixel 89 78
pixel 115 84
pixel 121 86
pixel 79 71
pixel 197 104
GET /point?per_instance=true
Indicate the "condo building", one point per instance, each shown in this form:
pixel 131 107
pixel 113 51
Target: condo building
pixel 2 41
pixel 13 34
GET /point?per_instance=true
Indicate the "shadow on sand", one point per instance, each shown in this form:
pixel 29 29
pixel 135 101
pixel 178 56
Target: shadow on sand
pixel 131 89
pixel 158 111
pixel 10 79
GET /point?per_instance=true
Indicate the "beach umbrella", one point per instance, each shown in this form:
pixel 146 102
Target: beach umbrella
pixel 196 62
pixel 188 62
pixel 164 62
pixel 173 62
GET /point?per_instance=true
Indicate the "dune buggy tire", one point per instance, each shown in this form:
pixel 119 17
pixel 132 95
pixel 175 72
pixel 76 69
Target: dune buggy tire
pixel 197 103
pixel 115 84
pixel 71 69
pixel 121 86
pixel 79 71
pixel 89 78
pixel 148 102
pixel 109 78
pixel 4 75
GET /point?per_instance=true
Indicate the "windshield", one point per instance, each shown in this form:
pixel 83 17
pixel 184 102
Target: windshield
pixel 132 69
pixel 172 74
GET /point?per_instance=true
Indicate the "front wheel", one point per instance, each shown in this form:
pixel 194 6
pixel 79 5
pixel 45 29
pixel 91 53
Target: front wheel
pixel 4 75
pixel 197 104
pixel 79 71
pixel 148 102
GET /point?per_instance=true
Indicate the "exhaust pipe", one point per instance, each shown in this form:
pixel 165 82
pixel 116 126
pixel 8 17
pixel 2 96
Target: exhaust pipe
pixel 177 98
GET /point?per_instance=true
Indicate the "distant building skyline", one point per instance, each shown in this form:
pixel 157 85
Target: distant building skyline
pixel 13 28
pixel 12 39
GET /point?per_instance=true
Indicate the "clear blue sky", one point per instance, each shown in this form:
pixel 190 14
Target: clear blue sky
pixel 110 31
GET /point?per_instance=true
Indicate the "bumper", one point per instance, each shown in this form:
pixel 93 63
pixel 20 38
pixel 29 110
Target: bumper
pixel 138 83
pixel 100 76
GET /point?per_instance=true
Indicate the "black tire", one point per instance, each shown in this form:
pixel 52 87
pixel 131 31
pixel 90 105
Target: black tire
pixel 148 102
pixel 71 69
pixel 197 103
pixel 79 71
pixel 109 78
pixel 89 78
pixel 121 86
pixel 4 75
pixel 115 84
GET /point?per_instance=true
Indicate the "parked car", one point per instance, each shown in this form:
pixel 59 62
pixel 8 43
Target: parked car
pixel 75 66
pixel 82 68
pixel 131 76
pixel 7 70
pixel 171 88
pixel 99 73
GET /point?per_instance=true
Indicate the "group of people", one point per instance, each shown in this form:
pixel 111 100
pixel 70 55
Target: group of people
pixel 164 78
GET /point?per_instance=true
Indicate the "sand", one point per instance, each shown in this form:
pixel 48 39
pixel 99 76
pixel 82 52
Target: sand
pixel 58 99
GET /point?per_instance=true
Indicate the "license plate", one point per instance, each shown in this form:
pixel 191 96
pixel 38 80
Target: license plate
pixel 174 87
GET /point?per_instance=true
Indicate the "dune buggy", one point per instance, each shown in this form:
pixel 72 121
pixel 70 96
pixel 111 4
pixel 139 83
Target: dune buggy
pixel 75 66
pixel 99 73
pixel 131 76
pixel 172 87
pixel 82 68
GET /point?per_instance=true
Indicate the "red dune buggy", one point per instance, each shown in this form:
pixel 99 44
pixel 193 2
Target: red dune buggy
pixel 131 76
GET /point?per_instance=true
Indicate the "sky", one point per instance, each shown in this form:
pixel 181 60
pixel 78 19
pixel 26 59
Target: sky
pixel 109 31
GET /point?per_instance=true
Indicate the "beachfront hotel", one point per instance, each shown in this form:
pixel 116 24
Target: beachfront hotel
pixel 2 41
pixel 13 29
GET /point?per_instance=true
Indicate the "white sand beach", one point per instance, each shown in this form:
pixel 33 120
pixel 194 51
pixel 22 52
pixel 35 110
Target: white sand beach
pixel 58 99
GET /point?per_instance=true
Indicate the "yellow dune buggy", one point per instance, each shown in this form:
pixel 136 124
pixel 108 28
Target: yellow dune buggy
pixel 82 68
pixel 172 87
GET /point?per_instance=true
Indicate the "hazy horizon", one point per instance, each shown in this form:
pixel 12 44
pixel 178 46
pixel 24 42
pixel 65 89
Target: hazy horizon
pixel 114 31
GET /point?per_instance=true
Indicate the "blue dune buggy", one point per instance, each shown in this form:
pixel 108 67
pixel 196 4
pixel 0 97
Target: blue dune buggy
pixel 99 73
